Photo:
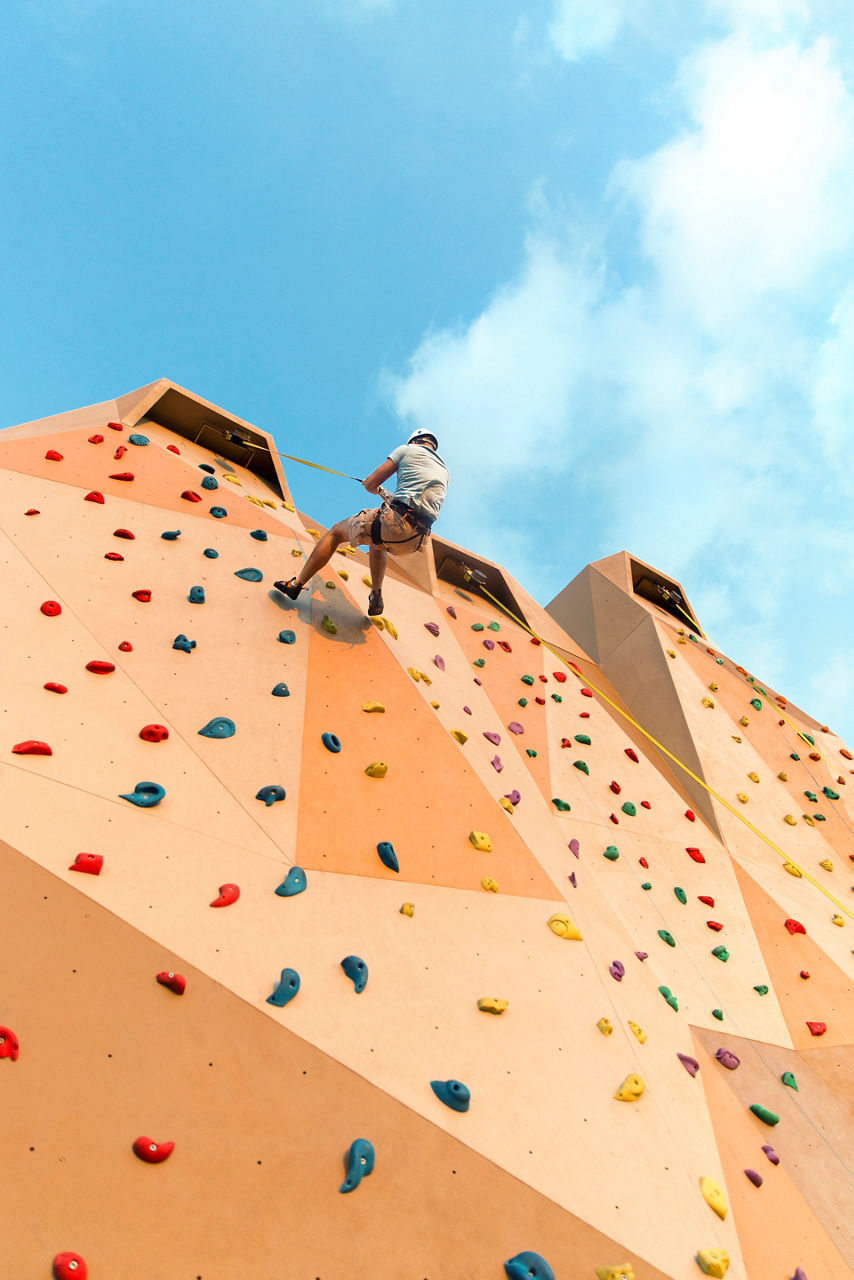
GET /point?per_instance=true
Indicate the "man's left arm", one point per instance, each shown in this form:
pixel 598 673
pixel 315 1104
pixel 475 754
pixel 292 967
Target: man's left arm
pixel 376 478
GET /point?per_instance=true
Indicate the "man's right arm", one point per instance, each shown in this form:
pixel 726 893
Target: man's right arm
pixel 376 478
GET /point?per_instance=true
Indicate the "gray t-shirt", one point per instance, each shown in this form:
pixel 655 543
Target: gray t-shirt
pixel 422 478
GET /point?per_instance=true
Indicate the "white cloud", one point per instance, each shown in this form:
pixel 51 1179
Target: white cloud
pixel 768 17
pixel 579 27
pixel 833 395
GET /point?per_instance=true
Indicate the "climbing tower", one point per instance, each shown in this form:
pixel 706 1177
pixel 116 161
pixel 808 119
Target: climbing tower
pixel 472 941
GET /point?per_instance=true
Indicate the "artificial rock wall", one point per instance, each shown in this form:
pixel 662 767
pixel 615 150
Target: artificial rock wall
pixel 666 1095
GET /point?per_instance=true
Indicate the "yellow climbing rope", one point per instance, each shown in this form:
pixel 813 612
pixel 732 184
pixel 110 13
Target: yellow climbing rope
pixel 303 461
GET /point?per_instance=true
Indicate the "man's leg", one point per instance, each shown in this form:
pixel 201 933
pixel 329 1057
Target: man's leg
pixel 321 554
pixel 377 561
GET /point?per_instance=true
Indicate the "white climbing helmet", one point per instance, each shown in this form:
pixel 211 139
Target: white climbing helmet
pixel 420 435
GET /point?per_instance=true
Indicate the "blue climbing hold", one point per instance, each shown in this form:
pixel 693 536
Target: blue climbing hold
pixel 146 795
pixel 357 971
pixel 528 1266
pixel 218 512
pixel 286 637
pixel 197 595
pixel 249 575
pixel 210 553
pixel 259 534
pixel 136 438
pixel 293 883
pixel 453 1093
pixel 209 482
pixel 285 989
pixel 219 727
pixel 331 742
pixel 171 535
pixel 206 466
pixel 358 1163
pixel 281 690
pixel 181 642
pixel 271 794
pixel 388 857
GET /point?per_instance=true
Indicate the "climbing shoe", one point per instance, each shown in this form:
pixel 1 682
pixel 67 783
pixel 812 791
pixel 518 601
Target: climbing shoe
pixel 375 604
pixel 291 589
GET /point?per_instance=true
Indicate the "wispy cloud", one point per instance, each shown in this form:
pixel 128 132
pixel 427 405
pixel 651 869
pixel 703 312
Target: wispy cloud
pixel 581 27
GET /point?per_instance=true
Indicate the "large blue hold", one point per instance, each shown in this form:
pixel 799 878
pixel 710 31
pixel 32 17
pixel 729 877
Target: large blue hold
pixel 388 857
pixel 210 482
pixel 136 438
pixel 358 1163
pixel 285 989
pixel 453 1093
pixel 286 637
pixel 181 642
pixel 270 794
pixel 357 971
pixel 294 882
pixel 146 795
pixel 171 535
pixel 281 690
pixel 218 513
pixel 331 741
pixel 259 534
pixel 528 1266
pixel 249 575
pixel 219 727
pixel 197 595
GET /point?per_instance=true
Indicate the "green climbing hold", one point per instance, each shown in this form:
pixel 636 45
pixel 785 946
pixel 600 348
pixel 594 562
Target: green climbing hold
pixel 720 953
pixel 583 738
pixel 806 737
pixel 529 751
pixel 560 805
pixel 629 809
pixel 480 662
pixel 794 756
pixel 830 793
pixel 527 679
pixel 667 937
pixel 811 796
pixel 329 625
pixel 681 895
pixel 523 702
pixel 819 817
pixel 762 989
pixel 719 1014
pixel 477 626
pixel 556 697
pixel 493 626
pixel 612 853
pixel 646 885
pixel 756 703
pixel 790 1081
pixel 719 661
pixel 669 997
pixel 766 1116
pixel 579 764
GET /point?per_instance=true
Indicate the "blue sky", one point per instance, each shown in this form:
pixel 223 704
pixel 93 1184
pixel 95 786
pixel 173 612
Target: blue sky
pixel 604 248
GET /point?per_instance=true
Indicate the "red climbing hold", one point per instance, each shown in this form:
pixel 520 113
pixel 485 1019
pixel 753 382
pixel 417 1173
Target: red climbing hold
pixel 94 496
pixel 644 863
pixel 565 742
pixel 122 475
pixel 645 804
pixel 704 897
pixel 69 1266
pixel 534 640
pixel 632 754
pixel 143 594
pixel 174 981
pixel 154 733
pixel 32 747
pixel 817 1028
pixel 560 676
pixel 113 555
pixel 615 819
pixel 124 533
pixel 584 715
pixel 100 668
pixel 814 755
pixel 616 788
pixel 713 924
pixel 53 456
pixel 586 692
pixel 9 1046
pixel 120 452
pixel 228 893
pixel 90 863
pixel 53 687
pixel 502 644
pixel 115 426
pixel 32 511
pixel 173 448
pixel 541 702
pixel 544 679
pixel 805 973
pixel 152 1152
pixel 695 854
pixel 690 815
pixel 190 496
pixel 845 753
pixel 51 608
pixel 125 646
pixel 794 926
pixel 96 439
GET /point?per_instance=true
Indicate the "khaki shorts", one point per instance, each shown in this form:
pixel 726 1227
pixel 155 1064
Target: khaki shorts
pixel 398 533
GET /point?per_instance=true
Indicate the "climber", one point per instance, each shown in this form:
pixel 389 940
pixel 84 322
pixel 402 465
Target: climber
pixel 399 527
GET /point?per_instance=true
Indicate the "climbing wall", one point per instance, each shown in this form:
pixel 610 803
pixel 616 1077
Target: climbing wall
pixel 429 947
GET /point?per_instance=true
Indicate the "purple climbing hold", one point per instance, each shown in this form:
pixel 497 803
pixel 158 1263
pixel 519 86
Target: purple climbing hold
pixel 571 879
pixel 480 682
pixel 617 970
pixel 489 644
pixel 690 1064
pixel 513 796
pixel 800 1274
pixel 451 610
pixel 432 627
pixel 574 847
pixel 494 738
pixel 727 1059
pixel 439 662
pixel 496 763
pixel 515 727
pixel 755 1178
pixel 770 1153
pixel 642 955
pixel 467 710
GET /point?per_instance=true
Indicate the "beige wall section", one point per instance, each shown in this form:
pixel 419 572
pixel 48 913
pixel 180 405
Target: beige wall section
pixel 545 1144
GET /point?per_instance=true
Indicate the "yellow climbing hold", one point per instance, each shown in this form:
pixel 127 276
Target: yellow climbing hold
pixel 742 797
pixel 707 702
pixel 367 581
pixel 492 1004
pixel 289 506
pixel 459 735
pixel 754 777
pixel 631 1088
pixel 490 885
pixel 682 640
pixel 783 776
pixel 377 769
pixel 563 927
pixel 408 909
pixel 425 679
pixel 416 675
pixel 296 551
pixel 328 625
pixel 792 870
pixel 671 653
pixel 623 1271
pixel 744 721
pixel 481 841
pixel 793 822
pixel 506 804
pixel 232 479
pixel 637 1031
pixel 372 706
pixel 315 533
pixel 267 502
pixel 435 706
pixel 826 864
pixel 342 573
pixel 713 1196
pixel 808 820
pixel 713 1262
pixel 837 919
pixel 331 586
pixel 604 1026
pixel 714 686
pixel 735 738
pixel 392 630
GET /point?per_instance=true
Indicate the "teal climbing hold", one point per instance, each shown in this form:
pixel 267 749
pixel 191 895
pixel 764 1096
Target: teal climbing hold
pixel 681 894
pixel 790 1081
pixel 756 703
pixel 811 796
pixel 493 626
pixel 523 702
pixel 197 595
pixel 171 535
pixel 388 857
pixel 720 953
pixel 556 697
pixel 529 751
pixel 479 662
pixel 762 989
pixel 271 794
pixel 669 998
pixel 581 766
pixel 583 738
pixel 219 513
pixel 453 1093
pixel 477 626
pixel 612 853
pixel 794 756
pixel 210 482
pixel 136 438
pixel 527 679
pixel 562 806
pixel 819 817
pixel 528 1266
pixel 331 742
pixel 763 1114
pixel 286 637
pixel 181 642
pixel 807 738
pixel 260 535
pixel 281 690
pixel 219 727
pixel 667 937
pixel 145 795
pixel 358 1163
pixel 719 1014
pixel 629 808
pixel 294 882
pixel 249 575
pixel 285 989
pixel 210 553
pixel 206 466
pixel 830 793
pixel 719 661
pixel 357 971
pixel 646 885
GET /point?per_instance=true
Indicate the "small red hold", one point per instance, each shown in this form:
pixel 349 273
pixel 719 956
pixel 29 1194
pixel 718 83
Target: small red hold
pixel 713 924
pixel 228 893
pixel 560 676
pixel 53 455
pixel 174 981
pixel 615 819
pixel 152 1152
pixel 645 804
pixel 695 854
pixel 143 594
pixel 190 496
pixel 566 742
pixel 69 1266
pixel 616 788
pixel 96 439
pixel 173 448
pixel 817 1028
pixel 51 608
pixel 805 973
pixel 541 702
pixel 94 496
pixel 502 644
pixel 644 863
pixel 632 754
pixel 534 640
pixel 584 715
pixel 585 692
pixel 154 733
pixel 32 747
pixel 544 679
pixel 690 815
pixel 9 1046
pixel 706 899
pixel 122 475
pixel 124 533
pixel 794 926
pixel 113 555
pixel 90 863
pixel 120 453
pixel 125 646
pixel 99 667
pixel 53 687
pixel 116 426
pixel 32 511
